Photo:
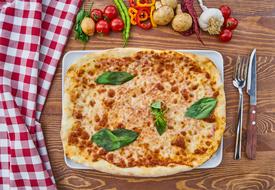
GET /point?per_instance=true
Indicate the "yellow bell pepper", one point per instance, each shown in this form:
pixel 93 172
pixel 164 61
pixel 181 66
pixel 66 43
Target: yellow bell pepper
pixel 133 13
pixel 151 16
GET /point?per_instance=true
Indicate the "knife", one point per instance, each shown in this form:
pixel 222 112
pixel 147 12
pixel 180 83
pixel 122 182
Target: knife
pixel 251 141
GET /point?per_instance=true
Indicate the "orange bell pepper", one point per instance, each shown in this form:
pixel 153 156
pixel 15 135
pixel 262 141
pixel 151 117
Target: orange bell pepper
pixel 133 14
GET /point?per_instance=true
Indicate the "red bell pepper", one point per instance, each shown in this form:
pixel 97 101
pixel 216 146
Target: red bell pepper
pixel 140 19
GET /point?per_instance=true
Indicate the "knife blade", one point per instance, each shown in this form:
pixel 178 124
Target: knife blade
pixel 252 79
pixel 251 141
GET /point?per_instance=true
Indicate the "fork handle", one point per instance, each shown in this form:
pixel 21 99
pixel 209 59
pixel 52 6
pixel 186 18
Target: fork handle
pixel 238 143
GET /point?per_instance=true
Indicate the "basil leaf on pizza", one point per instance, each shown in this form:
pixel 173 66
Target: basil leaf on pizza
pixel 156 105
pixel 113 140
pixel 114 78
pixel 202 108
pixel 160 122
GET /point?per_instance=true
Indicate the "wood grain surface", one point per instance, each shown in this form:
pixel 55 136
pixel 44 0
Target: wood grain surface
pixel 256 30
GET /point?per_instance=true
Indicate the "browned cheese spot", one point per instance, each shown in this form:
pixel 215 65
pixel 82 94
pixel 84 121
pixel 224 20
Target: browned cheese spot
pixel 185 94
pixel 179 142
pixel 111 93
pixel 97 118
pixel 174 89
pixel 92 103
pixel 108 103
pixel 159 86
pixel 200 150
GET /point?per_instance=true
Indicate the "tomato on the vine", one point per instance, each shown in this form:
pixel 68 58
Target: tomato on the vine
pixel 96 15
pixel 225 35
pixel 231 23
pixel 226 11
pixel 110 12
pixel 117 25
pixel 102 27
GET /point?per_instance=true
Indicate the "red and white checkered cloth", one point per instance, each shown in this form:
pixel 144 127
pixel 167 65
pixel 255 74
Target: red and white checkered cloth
pixel 33 34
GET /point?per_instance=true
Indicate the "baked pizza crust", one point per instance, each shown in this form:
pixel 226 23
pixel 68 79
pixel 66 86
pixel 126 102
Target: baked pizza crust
pixel 74 153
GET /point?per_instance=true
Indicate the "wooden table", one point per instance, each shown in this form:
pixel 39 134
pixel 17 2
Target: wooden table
pixel 256 30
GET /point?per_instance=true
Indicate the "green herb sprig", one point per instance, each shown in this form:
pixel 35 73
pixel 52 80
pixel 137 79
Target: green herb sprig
pixel 158 112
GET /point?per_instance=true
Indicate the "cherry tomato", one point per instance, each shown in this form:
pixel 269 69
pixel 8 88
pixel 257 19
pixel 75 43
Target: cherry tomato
pixel 96 15
pixel 231 23
pixel 102 27
pixel 225 35
pixel 110 12
pixel 226 11
pixel 117 25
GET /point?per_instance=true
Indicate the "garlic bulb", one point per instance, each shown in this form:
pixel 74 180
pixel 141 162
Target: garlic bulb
pixel 211 19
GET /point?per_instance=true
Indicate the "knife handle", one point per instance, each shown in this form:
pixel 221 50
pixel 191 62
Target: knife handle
pixel 251 141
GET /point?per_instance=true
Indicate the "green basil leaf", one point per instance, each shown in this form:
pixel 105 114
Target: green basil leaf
pixel 160 124
pixel 114 78
pixel 106 139
pixel 125 136
pixel 80 16
pixel 156 105
pixel 158 113
pixel 113 140
pixel 202 108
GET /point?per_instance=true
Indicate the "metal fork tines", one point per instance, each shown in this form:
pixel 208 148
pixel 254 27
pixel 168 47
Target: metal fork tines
pixel 239 80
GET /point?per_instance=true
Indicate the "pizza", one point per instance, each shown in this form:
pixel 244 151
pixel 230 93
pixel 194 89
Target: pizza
pixel 142 112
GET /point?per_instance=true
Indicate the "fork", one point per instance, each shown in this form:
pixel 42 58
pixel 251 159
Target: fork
pixel 239 80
